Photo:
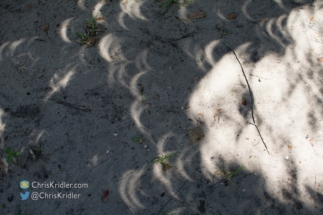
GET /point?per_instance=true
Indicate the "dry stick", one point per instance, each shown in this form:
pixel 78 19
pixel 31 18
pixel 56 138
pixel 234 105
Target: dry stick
pixel 244 74
pixel 78 107
pixel 259 77
pixel 251 95
pixel 260 136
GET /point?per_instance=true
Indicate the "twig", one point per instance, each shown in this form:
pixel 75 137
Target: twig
pixel 78 107
pixel 36 22
pixel 262 139
pixel 244 74
pixel 250 93
pixel 259 77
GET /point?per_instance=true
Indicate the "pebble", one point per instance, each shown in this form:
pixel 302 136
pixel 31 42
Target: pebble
pixel 115 134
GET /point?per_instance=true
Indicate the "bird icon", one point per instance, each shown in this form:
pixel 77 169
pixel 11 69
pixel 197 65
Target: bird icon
pixel 24 196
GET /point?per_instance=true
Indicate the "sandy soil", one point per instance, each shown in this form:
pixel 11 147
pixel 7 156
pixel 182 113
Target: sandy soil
pixel 149 86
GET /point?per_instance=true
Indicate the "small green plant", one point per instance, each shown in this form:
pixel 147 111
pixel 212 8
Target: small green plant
pixel 91 26
pixel 36 150
pixel 162 160
pixel 222 31
pixel 226 175
pixel 143 99
pixel 11 155
pixel 168 4
pixel 91 30
pixel 84 39
pixel 165 213
pixel 138 139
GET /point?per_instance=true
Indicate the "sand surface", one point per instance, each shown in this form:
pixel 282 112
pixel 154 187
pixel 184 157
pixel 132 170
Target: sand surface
pixel 237 84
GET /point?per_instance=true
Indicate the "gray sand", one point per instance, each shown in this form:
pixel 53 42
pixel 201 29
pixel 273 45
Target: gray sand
pixel 72 111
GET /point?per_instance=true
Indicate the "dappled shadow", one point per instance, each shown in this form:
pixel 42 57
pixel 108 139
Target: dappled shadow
pixel 155 77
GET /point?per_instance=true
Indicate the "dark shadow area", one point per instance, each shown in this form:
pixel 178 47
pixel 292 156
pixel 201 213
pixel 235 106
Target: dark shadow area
pixel 100 114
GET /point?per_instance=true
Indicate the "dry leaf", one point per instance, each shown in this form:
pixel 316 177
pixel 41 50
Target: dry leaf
pixel 158 96
pixel 316 35
pixel 45 27
pixel 200 114
pixel 264 20
pixel 311 140
pixel 290 146
pixel 320 59
pixel 196 15
pixel 99 18
pixel 312 18
pixel 195 134
pixel 142 89
pixel 30 6
pixel 166 166
pixel 92 41
pixel 232 16
pixel 244 102
pixel 105 196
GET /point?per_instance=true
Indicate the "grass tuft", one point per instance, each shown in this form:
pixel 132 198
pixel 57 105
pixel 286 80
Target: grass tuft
pixel 162 160
pixel 226 175
pixel 11 155
pixel 91 30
